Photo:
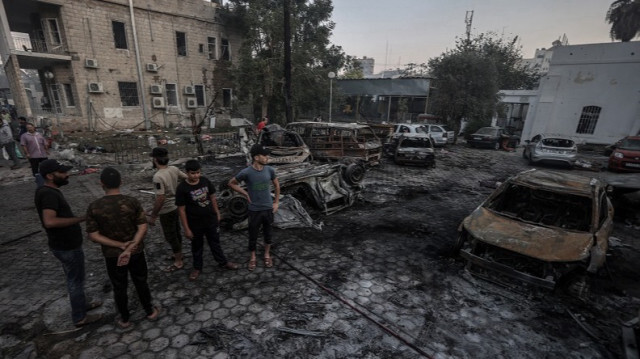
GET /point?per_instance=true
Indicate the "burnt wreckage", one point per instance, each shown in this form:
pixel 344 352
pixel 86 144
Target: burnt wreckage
pixel 321 187
pixel 540 227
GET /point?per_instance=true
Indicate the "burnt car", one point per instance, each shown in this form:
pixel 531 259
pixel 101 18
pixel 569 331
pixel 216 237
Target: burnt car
pixel 344 142
pixel 553 149
pixel 492 137
pixel 285 146
pixel 626 156
pixel 416 149
pixel 541 228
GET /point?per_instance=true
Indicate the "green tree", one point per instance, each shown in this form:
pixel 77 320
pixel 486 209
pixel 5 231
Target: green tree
pixel 624 17
pixel 259 73
pixel 468 77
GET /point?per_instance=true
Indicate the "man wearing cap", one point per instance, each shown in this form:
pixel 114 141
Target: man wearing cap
pixel 117 222
pixel 65 237
pixel 258 178
pixel 165 182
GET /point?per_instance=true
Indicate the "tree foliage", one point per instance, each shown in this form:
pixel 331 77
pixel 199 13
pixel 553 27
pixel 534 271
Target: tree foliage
pixel 468 77
pixel 624 17
pixel 259 72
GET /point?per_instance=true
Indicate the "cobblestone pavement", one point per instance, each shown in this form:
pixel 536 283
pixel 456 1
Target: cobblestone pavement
pixel 376 282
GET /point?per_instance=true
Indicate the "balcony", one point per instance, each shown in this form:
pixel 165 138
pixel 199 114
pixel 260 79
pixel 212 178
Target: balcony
pixel 34 52
pixel 23 42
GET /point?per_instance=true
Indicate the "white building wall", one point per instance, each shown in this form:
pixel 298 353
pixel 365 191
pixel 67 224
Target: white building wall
pixel 605 75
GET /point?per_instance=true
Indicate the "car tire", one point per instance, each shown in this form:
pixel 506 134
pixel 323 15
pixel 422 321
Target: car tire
pixel 524 153
pixel 496 146
pixel 460 241
pixel 354 174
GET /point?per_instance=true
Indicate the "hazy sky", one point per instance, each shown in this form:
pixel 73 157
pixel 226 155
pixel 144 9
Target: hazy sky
pixel 397 32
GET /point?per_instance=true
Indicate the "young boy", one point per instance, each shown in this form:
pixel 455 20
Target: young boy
pixel 119 224
pixel 258 178
pixel 200 216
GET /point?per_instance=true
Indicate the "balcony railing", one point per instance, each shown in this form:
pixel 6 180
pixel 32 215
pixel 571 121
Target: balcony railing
pixel 33 45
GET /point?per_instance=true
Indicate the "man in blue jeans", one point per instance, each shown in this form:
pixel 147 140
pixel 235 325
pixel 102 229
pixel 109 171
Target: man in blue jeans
pixel 65 237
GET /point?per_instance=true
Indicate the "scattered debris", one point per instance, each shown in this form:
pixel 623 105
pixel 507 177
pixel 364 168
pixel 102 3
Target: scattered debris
pixel 302 332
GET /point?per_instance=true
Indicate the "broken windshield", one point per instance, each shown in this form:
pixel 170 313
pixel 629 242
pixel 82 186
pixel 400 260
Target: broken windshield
pixel 557 142
pixel 544 207
pixel 414 142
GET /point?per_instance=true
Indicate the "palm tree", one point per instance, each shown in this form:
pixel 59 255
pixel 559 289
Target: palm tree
pixel 624 17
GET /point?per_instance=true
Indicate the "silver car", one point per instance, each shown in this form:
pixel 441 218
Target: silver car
pixel 546 148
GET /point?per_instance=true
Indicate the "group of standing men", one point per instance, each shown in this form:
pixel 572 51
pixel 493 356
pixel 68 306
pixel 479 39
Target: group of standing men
pixel 119 224
pixel 33 146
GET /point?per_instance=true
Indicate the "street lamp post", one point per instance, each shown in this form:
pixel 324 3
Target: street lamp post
pixel 331 75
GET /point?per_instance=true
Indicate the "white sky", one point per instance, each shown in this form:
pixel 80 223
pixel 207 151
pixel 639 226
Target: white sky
pixel 397 32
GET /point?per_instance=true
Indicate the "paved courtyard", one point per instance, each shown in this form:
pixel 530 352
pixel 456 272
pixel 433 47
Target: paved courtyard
pixel 376 282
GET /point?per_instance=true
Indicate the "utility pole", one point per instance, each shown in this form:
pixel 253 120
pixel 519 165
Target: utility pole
pixel 468 19
pixel 287 62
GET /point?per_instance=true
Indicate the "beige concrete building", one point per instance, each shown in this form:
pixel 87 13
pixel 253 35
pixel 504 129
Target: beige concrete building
pixel 118 63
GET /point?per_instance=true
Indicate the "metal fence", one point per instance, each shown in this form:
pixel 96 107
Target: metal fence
pixel 132 149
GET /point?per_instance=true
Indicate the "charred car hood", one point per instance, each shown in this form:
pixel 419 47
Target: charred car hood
pixel 423 150
pixel 544 243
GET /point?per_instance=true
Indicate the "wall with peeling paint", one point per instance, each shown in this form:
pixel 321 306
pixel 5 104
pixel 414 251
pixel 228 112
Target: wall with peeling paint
pixel 605 75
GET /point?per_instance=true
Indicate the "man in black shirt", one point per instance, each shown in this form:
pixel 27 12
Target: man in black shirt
pixel 65 237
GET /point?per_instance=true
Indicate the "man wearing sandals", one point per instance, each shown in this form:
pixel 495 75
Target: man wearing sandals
pixel 200 217
pixel 65 237
pixel 117 222
pixel 165 182
pixel 258 179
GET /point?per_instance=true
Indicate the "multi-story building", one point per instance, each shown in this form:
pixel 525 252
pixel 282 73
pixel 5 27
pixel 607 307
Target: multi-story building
pixel 540 62
pixel 366 64
pixel 118 63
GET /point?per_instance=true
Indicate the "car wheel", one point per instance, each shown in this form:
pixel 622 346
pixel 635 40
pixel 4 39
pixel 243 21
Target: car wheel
pixel 354 174
pixel 524 153
pixel 496 146
pixel 457 246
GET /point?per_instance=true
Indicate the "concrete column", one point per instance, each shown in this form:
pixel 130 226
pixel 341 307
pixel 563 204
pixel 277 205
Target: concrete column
pixel 6 40
pixel 12 69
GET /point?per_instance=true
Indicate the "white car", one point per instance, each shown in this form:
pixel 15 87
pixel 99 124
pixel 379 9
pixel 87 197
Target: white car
pixel 439 134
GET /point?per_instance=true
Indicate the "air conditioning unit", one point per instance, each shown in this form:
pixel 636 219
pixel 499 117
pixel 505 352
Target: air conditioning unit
pixel 192 102
pixel 158 102
pixel 152 67
pixel 91 63
pixel 189 90
pixel 156 89
pixel 96 87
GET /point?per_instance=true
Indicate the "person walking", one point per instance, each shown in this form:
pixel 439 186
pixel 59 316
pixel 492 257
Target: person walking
pixel 165 182
pixel 258 178
pixel 8 144
pixel 117 222
pixel 35 148
pixel 200 217
pixel 64 237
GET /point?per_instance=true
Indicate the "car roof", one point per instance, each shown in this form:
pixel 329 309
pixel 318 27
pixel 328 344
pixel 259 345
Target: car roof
pixel 557 181
pixel 415 135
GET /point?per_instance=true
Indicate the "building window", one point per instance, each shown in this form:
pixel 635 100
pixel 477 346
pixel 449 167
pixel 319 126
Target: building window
pixel 588 119
pixel 200 95
pixel 211 47
pixel 181 43
pixel 68 95
pixel 172 94
pixel 119 35
pixel 52 30
pixel 226 98
pixel 128 93
pixel 226 50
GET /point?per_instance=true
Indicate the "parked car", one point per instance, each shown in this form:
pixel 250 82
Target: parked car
pixel 491 137
pixel 539 227
pixel 345 142
pixel 415 149
pixel 545 148
pixel 440 135
pixel 626 156
pixel 403 128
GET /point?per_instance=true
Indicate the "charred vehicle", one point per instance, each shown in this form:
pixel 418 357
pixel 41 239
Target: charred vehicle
pixel 344 142
pixel 541 228
pixel 325 188
pixel 415 149
pixel 285 146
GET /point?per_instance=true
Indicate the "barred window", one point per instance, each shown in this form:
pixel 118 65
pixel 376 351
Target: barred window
pixel 172 94
pixel 211 47
pixel 588 119
pixel 200 95
pixel 128 93
pixel 119 35
pixel 225 49
pixel 181 43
